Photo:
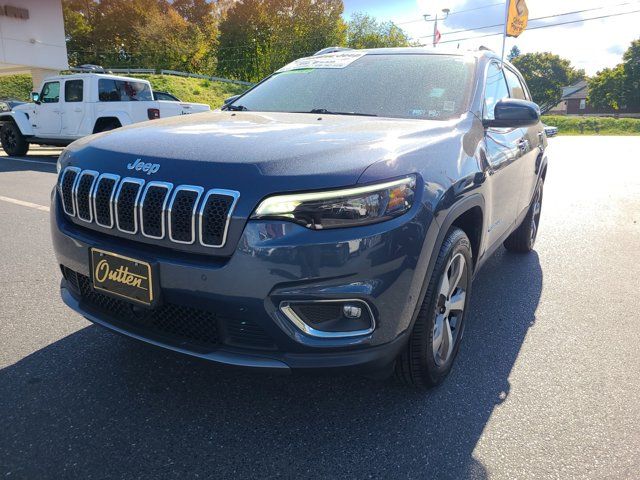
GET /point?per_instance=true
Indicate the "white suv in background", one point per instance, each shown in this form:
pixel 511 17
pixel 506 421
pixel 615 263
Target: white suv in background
pixel 68 107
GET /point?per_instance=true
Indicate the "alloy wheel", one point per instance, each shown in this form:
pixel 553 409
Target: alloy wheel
pixel 449 309
pixel 10 139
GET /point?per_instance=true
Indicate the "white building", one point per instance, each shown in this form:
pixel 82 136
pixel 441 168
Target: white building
pixel 32 38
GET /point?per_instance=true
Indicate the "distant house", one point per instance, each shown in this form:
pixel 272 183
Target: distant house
pixel 561 108
pixel 574 102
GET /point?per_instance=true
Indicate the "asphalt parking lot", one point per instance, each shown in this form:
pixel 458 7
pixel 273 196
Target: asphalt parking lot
pixel 546 385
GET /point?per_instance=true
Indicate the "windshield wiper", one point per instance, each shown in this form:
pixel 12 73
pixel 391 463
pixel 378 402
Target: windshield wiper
pixel 329 112
pixel 236 108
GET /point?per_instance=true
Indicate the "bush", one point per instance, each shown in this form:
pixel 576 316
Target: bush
pixel 593 125
pixel 16 86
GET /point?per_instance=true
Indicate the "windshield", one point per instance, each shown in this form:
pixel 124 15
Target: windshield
pixel 421 86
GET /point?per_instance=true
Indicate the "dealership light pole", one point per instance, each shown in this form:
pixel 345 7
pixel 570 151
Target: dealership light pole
pixel 436 32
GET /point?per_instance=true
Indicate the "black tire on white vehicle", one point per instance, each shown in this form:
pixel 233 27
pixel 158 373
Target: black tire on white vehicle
pixel 13 142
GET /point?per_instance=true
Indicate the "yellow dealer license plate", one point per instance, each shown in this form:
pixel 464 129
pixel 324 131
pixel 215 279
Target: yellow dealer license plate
pixel 122 276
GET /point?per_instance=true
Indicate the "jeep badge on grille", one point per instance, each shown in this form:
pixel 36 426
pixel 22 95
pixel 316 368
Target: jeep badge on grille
pixel 148 168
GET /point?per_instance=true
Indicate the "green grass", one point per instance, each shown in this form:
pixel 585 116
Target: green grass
pixel 186 89
pixel 194 89
pixel 15 87
pixel 593 125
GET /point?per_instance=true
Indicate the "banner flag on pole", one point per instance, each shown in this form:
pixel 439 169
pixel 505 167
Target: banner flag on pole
pixel 437 37
pixel 517 17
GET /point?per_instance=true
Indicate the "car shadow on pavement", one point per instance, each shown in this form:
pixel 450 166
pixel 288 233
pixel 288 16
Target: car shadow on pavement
pixel 17 164
pixel 96 405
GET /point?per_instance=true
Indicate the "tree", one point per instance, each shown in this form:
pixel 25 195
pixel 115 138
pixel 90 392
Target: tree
pixel 546 74
pixel 606 88
pixel 172 43
pixel 631 67
pixel 515 52
pixel 180 35
pixel 364 31
pixel 260 36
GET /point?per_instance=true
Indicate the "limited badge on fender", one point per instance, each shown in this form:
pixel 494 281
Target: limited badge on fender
pixel 122 276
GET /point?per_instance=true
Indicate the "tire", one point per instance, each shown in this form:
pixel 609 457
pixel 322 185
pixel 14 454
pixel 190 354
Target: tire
pixel 423 363
pixel 523 238
pixel 13 142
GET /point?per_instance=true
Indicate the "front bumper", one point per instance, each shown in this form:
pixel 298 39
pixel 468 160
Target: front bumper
pixel 274 262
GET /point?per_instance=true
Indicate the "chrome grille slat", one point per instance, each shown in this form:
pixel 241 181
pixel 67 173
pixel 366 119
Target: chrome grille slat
pixel 155 210
pixel 218 203
pixel 67 184
pixel 127 203
pixel 153 205
pixel 82 194
pixel 185 198
pixel 102 199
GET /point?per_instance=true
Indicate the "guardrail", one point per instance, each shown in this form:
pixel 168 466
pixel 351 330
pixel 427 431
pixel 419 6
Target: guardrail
pixel 153 71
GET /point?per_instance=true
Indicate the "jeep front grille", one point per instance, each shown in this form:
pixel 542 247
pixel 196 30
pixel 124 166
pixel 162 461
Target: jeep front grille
pixel 182 214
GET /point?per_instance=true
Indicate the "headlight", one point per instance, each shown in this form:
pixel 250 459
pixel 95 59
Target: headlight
pixel 63 157
pixel 341 208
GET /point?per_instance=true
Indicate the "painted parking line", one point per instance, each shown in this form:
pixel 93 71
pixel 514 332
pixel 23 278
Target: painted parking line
pixel 22 203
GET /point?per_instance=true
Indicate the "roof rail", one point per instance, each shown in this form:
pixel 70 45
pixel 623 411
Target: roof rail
pixel 331 50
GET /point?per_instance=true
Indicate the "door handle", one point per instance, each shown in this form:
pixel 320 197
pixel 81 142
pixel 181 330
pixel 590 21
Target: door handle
pixel 56 111
pixel 523 145
pixel 541 141
pixel 77 109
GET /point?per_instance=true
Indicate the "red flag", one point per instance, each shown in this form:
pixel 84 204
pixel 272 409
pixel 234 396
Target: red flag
pixel 436 33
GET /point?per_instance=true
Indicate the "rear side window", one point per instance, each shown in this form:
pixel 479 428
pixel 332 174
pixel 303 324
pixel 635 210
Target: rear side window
pixel 123 91
pixel 73 90
pixel 516 89
pixel 50 92
pixel 495 90
pixel 166 96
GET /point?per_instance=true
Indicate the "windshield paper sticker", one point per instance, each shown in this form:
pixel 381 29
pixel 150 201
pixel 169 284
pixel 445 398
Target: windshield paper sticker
pixel 330 60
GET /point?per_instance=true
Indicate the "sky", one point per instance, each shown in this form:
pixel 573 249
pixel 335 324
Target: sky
pixel 591 45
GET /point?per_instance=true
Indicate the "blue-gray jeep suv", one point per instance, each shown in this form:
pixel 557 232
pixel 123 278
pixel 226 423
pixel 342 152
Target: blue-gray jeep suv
pixel 333 216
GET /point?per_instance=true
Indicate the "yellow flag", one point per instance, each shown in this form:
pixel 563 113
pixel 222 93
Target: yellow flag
pixel 517 18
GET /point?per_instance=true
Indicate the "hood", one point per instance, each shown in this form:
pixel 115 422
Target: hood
pixel 235 149
pixel 24 107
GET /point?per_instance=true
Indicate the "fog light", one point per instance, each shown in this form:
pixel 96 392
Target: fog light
pixel 330 318
pixel 351 311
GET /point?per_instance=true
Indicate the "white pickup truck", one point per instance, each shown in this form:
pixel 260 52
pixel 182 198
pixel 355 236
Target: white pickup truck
pixel 69 107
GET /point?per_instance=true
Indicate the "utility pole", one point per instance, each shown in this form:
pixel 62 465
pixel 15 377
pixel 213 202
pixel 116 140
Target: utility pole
pixel 504 33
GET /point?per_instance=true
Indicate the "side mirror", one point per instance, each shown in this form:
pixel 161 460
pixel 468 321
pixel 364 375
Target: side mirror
pixel 230 99
pixel 513 113
pixel 35 96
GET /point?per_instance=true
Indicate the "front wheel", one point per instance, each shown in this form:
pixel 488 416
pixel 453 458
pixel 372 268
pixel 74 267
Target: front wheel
pixel 436 335
pixel 13 142
pixel 524 237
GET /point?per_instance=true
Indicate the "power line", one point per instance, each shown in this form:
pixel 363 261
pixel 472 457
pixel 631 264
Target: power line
pixel 532 19
pixel 542 26
pixel 457 12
